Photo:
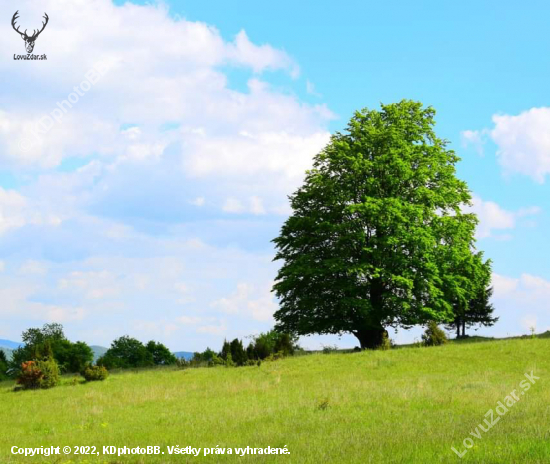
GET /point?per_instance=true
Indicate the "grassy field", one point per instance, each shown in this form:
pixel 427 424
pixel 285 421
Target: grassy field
pixel 405 405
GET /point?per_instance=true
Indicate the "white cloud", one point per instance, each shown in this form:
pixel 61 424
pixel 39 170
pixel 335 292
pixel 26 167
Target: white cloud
pixel 189 320
pixel 33 267
pixel 493 217
pixel 474 138
pixel 212 329
pixel 524 142
pixel 199 201
pixel 92 284
pixel 257 206
pixel 310 89
pixel 247 299
pixel 16 211
pixel 232 205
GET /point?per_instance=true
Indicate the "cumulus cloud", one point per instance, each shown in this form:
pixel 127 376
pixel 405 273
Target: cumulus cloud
pixel 522 140
pixel 247 299
pixel 16 211
pixel 492 217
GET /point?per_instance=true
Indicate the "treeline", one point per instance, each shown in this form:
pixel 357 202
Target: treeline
pixel 127 352
pixel 47 353
pixel 269 345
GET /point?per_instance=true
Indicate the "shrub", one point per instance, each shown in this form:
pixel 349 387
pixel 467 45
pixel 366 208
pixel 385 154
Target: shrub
pixel 269 343
pixel 386 342
pixel 229 361
pixel 50 371
pixel 433 336
pixel 182 363
pixel 30 375
pixel 327 349
pixel 93 373
pixel 39 374
pixel 216 361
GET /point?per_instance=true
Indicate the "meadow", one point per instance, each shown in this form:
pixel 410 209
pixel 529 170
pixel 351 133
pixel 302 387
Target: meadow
pixel 406 405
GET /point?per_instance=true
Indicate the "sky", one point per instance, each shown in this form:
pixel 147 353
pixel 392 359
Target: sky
pixel 145 164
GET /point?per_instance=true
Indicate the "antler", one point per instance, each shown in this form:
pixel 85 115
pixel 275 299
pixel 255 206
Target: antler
pixel 13 20
pixel 36 34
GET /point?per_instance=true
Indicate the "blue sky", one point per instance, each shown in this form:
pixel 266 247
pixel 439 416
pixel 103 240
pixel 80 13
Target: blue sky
pixel 149 207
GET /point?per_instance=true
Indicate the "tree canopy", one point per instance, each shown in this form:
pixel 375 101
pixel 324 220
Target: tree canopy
pixel 378 236
pixel 50 341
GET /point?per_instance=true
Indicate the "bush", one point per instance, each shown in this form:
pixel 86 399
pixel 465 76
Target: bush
pixel 386 342
pixel 39 374
pixel 93 373
pixel 270 343
pixel 182 363
pixel 328 349
pixel 50 371
pixel 433 336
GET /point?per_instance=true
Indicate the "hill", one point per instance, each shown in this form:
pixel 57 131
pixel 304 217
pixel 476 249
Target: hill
pixel 406 405
pixel 10 344
pixel 98 351
pixel 183 354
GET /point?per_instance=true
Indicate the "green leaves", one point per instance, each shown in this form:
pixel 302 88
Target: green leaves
pixel 377 236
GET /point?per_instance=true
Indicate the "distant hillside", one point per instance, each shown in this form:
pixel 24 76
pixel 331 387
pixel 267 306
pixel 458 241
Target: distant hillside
pixel 98 351
pixel 183 354
pixel 9 344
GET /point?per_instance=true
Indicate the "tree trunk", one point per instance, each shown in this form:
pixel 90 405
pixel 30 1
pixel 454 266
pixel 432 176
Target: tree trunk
pixel 463 328
pixel 458 329
pixel 370 338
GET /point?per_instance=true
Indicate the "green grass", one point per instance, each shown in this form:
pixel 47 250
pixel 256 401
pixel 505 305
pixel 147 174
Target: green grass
pixel 405 405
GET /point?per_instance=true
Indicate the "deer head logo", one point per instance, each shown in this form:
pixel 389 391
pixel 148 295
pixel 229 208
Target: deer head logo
pixel 29 40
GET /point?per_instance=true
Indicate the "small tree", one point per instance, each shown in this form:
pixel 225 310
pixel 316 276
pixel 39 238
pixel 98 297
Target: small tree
pixel 226 350
pixel 433 336
pixel 162 356
pixel 43 373
pixel 238 354
pixel 126 352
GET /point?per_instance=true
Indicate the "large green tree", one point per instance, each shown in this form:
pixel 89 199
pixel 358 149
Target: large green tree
pixel 378 235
